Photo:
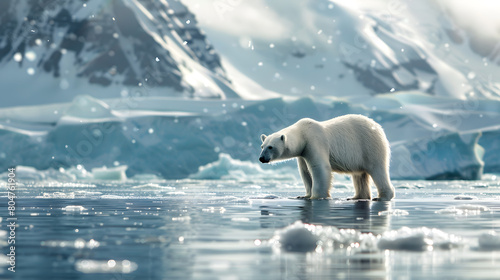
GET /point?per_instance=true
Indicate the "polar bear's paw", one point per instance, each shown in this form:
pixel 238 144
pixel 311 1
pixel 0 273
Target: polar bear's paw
pixel 359 198
pixel 382 199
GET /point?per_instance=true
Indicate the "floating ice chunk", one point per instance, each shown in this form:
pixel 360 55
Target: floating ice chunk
pixel 418 239
pixel 109 266
pixel 113 173
pixel 297 237
pixel 176 193
pixel 489 241
pixel 60 195
pixel 473 208
pixel 229 198
pixel 74 208
pixel 111 196
pixel 300 237
pixel 464 210
pixel 465 197
pixel 252 187
pixel 450 210
pixel 405 239
pixel 87 194
pixel 148 185
pixel 265 196
pixel 153 186
pixel 393 212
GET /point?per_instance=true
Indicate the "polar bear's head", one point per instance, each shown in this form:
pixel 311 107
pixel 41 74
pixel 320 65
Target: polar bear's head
pixel 272 146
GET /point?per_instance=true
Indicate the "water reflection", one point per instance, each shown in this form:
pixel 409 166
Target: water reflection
pixel 360 215
pixel 337 266
pixel 213 232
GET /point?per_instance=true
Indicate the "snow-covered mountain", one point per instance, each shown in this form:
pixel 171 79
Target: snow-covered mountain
pixel 355 48
pixel 51 51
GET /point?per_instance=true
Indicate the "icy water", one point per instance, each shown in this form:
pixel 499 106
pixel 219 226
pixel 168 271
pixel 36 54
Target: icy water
pixel 251 230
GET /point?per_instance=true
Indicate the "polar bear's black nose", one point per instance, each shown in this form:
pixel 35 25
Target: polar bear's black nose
pixel 262 159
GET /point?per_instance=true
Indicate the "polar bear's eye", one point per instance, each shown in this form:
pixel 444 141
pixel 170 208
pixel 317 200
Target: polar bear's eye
pixel 270 148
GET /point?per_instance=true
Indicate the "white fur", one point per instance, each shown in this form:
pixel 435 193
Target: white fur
pixel 348 144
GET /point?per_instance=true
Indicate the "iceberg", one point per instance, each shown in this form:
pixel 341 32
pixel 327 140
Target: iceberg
pixel 448 157
pixel 115 173
pixel 228 168
pixel 490 139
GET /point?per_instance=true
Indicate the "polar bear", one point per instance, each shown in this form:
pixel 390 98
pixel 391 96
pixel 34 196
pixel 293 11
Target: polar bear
pixel 347 144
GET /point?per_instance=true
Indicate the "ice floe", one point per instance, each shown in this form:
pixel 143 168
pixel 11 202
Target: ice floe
pixel 300 237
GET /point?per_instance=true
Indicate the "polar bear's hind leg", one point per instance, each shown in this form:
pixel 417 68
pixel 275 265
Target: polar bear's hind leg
pixel 361 186
pixel 384 187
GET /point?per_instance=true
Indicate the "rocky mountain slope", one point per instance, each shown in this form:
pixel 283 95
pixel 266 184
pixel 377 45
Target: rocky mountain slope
pixel 51 50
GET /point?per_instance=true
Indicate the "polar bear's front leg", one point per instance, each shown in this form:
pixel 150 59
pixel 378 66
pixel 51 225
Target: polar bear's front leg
pixel 306 177
pixel 321 181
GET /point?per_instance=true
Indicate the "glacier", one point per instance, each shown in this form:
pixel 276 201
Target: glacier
pixel 428 141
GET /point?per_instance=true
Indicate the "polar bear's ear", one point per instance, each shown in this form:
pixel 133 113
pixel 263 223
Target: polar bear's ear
pixel 263 137
pixel 283 138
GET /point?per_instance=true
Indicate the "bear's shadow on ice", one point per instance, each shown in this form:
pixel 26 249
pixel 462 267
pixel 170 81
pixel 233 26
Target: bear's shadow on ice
pixel 361 215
